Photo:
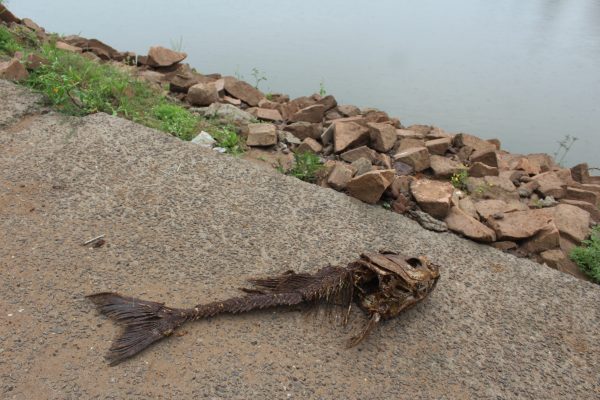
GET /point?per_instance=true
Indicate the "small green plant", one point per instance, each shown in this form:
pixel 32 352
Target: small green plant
pixel 176 120
pixel 587 256
pixel 306 166
pixel 322 91
pixel 387 205
pixel 459 179
pixel 269 96
pixel 564 146
pixel 8 44
pixel 227 137
pixel 258 76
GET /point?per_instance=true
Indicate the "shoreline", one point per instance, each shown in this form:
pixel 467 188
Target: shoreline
pixel 524 204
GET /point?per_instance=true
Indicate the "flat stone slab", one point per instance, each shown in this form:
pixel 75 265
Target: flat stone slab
pixel 185 225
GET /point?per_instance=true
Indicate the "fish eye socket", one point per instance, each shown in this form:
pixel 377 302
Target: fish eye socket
pixel 414 262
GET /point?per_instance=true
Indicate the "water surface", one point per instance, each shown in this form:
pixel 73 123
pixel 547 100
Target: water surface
pixel 524 71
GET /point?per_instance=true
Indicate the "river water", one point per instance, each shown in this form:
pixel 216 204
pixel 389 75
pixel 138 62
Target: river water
pixel 524 71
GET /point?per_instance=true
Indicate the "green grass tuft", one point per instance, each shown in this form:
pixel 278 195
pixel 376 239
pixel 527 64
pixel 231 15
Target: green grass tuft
pixel 176 120
pixel 8 43
pixel 587 256
pixel 227 137
pixel 306 166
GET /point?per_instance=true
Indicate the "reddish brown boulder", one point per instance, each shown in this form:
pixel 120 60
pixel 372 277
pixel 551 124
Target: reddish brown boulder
pixel 546 239
pixel 420 129
pixel 581 173
pixel 348 110
pixel 32 25
pixel 7 16
pixel 302 130
pixel 417 157
pixel 400 185
pixel 409 143
pixel 328 102
pixel 243 91
pixel 312 114
pixel 558 260
pixel 444 167
pixel 267 114
pixel 479 170
pixel 349 134
pixel 67 47
pixel 458 221
pixel 309 145
pixel 383 136
pixel 438 146
pixel 375 115
pixel 13 70
pixel 370 186
pixel 97 47
pixel 584 205
pixel 572 221
pixel 159 56
pixel 488 208
pixel 477 144
pixel 486 156
pixel 433 196
pixel 520 224
pixel 504 245
pixel 261 135
pixel 355 154
pixel 542 161
pixel 340 175
pixel 468 206
pixel 581 195
pixel 202 94
pixel 405 134
pixel 551 185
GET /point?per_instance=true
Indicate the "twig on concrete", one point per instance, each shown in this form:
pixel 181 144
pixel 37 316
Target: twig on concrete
pixel 97 238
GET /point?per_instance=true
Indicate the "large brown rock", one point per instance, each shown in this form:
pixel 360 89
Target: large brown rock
pixel 477 144
pixel 542 161
pixel 243 91
pixel 340 175
pixel 347 135
pixel 261 135
pixel 417 157
pixel 488 208
pixel 546 239
pixel 309 145
pixel 101 49
pixel 572 222
pixel 409 143
pixel 328 102
pixel 370 186
pixel 202 94
pixel 348 110
pixel 383 136
pixel 159 56
pixel 458 221
pixel 67 47
pixel 438 146
pixel 267 114
pixel 558 260
pixel 7 16
pixel 444 167
pixel 581 173
pixel 313 113
pixel 520 224
pixel 405 133
pixel 302 130
pixel 479 170
pixel 486 156
pixel 550 184
pixel 355 154
pixel 584 205
pixel 582 195
pixel 434 197
pixel 13 70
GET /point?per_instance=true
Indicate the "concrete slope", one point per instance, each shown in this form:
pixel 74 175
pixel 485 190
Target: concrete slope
pixel 184 225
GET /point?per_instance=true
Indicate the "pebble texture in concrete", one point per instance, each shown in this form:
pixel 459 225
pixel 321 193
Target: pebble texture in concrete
pixel 185 225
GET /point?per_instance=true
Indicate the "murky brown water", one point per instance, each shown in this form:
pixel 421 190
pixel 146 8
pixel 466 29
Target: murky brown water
pixel 525 71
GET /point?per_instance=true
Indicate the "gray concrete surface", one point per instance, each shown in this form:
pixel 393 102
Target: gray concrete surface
pixel 185 225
